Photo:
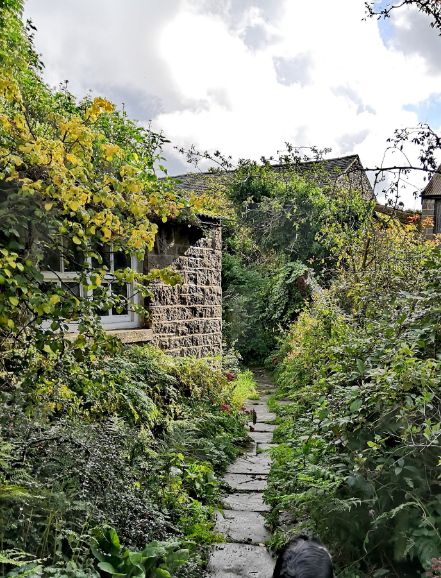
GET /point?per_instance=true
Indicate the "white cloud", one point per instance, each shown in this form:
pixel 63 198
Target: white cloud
pixel 208 73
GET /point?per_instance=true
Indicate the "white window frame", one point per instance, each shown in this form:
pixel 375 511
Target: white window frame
pixel 129 320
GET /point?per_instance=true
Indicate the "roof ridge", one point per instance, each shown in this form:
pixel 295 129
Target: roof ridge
pixel 354 156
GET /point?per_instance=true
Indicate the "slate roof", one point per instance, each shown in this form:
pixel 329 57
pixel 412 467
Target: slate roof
pixel 433 187
pixel 326 171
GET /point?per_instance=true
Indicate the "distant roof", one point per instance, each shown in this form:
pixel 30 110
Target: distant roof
pixel 329 170
pixel 333 167
pixel 433 187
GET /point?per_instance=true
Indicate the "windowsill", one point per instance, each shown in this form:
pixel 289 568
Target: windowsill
pixel 139 335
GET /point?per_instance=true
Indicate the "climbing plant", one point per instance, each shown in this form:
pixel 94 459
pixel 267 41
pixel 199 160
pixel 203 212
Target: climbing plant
pixel 75 177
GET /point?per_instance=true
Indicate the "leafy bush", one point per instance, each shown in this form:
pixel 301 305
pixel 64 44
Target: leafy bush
pixel 156 560
pixel 292 228
pixel 143 458
pixel 244 387
pixel 358 461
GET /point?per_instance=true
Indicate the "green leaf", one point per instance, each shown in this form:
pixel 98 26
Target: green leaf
pixel 113 537
pixel 135 557
pixel 361 366
pixel 178 558
pixel 356 405
pixel 13 300
pixel 161 573
pixel 373 445
pixel 107 567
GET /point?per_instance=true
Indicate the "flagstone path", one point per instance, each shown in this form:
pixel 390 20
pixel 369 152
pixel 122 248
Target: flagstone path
pixel 242 522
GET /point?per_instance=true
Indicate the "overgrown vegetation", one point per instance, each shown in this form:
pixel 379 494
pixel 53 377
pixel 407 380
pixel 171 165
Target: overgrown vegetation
pixel 109 458
pixel 138 448
pixel 271 249
pixel 78 182
pixel 358 461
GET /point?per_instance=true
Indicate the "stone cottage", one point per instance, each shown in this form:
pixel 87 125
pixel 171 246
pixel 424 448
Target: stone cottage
pixel 187 319
pixel 183 320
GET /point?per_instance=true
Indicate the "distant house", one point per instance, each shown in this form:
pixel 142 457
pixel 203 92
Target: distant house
pixel 431 205
pixel 346 170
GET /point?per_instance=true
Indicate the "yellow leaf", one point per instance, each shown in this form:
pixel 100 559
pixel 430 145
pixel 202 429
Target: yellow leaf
pixel 74 205
pixel 76 240
pixel 72 159
pixel 48 206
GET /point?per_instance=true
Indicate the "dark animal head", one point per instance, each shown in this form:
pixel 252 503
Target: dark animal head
pixel 304 557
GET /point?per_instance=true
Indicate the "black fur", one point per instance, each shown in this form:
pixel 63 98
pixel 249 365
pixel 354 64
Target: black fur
pixel 304 557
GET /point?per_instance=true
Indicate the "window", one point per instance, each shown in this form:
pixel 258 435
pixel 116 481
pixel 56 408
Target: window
pixel 63 269
pixel 121 316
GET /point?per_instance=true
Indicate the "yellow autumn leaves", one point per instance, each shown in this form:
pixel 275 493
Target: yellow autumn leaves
pixel 92 182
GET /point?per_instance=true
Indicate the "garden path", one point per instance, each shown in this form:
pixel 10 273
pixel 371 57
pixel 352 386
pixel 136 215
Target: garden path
pixel 242 522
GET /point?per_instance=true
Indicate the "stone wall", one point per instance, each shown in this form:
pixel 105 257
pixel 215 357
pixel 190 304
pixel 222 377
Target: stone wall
pixel 187 319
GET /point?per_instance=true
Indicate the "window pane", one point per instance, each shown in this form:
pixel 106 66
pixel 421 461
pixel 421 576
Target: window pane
pixel 72 288
pixel 104 252
pixel 100 295
pixel 51 260
pixel 122 291
pixel 120 260
pixel 73 257
pixel 49 287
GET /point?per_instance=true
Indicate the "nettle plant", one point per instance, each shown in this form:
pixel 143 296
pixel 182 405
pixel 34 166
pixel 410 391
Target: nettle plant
pixel 79 199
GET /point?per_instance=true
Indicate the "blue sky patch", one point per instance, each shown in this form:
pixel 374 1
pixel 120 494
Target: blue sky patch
pixel 428 110
pixel 386 30
pixel 384 24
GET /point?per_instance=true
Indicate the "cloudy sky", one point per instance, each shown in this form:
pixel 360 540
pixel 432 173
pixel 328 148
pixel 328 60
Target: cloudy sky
pixel 246 76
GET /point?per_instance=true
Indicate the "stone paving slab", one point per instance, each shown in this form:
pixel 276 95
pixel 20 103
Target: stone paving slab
pixel 254 403
pixel 242 527
pixel 261 437
pixel 246 501
pixel 263 399
pixel 260 426
pixel 264 448
pixel 258 407
pixel 251 464
pixel 240 561
pixel 251 448
pixel 266 417
pixel 242 521
pixel 246 482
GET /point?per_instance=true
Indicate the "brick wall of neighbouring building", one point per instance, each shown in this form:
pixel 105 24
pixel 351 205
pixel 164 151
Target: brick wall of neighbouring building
pixel 187 319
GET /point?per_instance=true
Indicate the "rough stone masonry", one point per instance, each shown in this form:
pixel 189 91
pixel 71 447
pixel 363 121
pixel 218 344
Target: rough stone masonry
pixel 187 319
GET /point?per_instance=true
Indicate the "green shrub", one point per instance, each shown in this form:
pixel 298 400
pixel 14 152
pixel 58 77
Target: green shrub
pixel 359 456
pixel 155 560
pixel 244 387
pixel 142 456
